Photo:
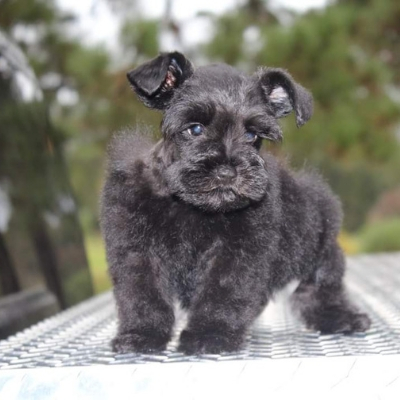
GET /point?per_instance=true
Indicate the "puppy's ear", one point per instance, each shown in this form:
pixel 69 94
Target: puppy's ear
pixel 285 95
pixel 155 81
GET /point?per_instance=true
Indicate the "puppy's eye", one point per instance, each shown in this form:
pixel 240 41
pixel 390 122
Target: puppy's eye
pixel 250 137
pixel 196 129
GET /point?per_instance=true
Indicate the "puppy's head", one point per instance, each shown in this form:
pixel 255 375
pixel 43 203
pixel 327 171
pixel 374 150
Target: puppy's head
pixel 215 118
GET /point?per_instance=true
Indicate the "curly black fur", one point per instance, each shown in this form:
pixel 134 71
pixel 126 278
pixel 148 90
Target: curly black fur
pixel 206 220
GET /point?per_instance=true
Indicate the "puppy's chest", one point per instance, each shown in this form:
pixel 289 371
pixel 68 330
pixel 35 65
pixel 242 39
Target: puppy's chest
pixel 183 233
pixel 188 241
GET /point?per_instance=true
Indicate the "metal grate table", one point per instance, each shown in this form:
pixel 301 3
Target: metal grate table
pixel 69 356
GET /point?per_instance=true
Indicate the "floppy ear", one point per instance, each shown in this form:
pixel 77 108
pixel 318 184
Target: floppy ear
pixel 155 81
pixel 285 95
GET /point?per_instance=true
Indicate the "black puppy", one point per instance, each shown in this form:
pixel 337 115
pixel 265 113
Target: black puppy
pixel 204 219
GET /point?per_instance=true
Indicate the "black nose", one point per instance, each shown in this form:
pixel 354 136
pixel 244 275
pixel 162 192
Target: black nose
pixel 225 172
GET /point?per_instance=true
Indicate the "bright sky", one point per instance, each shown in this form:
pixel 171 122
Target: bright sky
pixel 183 9
pixel 97 24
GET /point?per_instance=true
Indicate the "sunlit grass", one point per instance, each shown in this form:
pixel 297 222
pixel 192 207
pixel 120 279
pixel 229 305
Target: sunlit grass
pixel 97 262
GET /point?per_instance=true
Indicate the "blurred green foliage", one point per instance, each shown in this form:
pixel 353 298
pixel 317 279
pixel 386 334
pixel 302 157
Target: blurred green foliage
pixel 381 236
pixel 141 36
pixel 347 54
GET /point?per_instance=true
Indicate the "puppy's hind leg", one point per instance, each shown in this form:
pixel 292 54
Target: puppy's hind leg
pixel 321 300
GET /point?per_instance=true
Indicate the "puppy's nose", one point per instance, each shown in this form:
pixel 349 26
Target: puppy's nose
pixel 225 172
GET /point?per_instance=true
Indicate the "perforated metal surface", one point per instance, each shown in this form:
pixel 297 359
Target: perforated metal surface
pixel 80 336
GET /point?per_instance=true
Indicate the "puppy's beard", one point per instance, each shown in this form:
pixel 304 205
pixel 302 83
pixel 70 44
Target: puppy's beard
pixel 196 184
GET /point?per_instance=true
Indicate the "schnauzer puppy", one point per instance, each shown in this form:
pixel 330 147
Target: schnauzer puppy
pixel 204 219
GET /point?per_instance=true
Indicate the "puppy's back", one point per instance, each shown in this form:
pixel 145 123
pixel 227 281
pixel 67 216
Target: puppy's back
pixel 127 148
pixel 322 198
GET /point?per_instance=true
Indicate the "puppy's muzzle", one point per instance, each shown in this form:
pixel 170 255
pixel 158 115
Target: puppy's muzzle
pixel 225 173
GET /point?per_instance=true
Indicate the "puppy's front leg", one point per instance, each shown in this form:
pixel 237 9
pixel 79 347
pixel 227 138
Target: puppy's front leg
pixel 145 312
pixel 231 296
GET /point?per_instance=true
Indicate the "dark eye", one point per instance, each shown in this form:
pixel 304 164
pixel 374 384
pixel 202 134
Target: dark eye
pixel 250 137
pixel 196 129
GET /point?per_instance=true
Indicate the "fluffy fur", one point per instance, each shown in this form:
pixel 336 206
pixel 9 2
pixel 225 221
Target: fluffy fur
pixel 206 220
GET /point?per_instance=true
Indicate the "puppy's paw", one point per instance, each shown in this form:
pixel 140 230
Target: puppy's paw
pixel 139 343
pixel 340 321
pixel 209 343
